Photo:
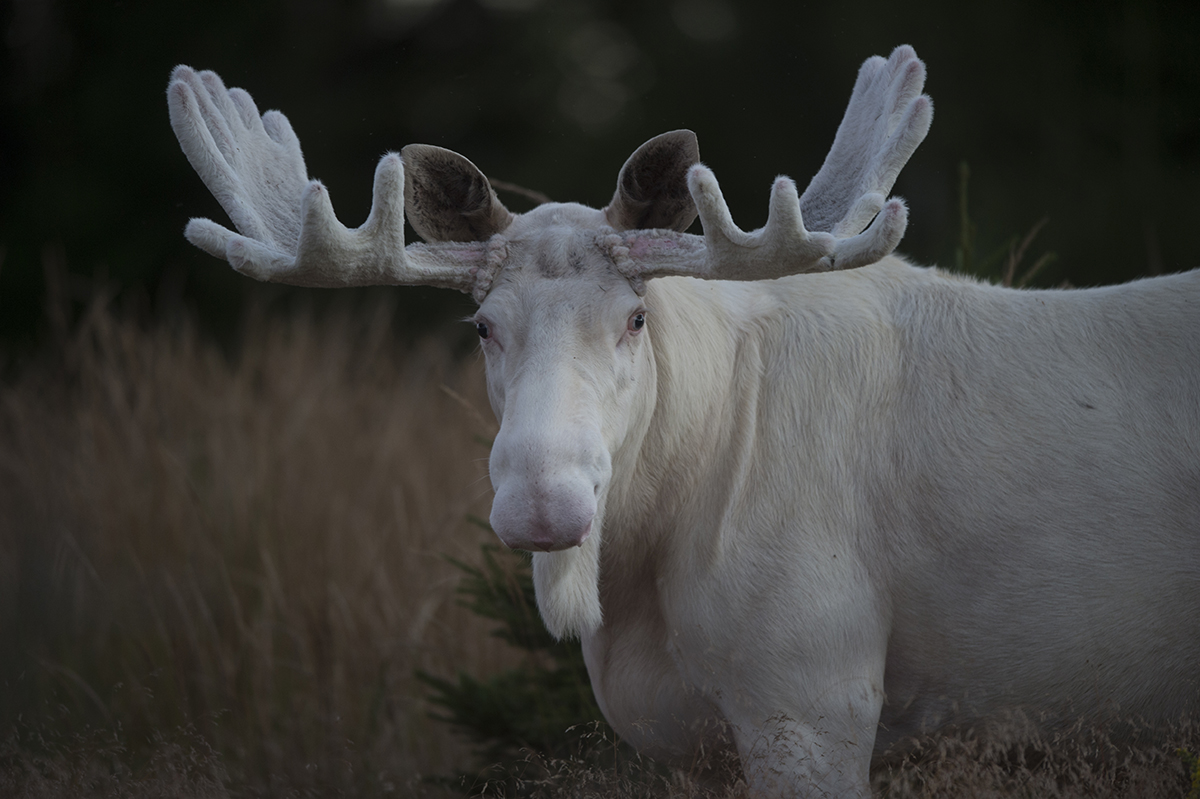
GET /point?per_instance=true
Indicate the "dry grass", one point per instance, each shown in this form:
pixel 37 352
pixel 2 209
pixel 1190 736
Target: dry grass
pixel 1017 759
pixel 1014 760
pixel 251 552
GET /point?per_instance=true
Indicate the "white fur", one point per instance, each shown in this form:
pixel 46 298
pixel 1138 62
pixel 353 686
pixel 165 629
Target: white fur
pixel 856 506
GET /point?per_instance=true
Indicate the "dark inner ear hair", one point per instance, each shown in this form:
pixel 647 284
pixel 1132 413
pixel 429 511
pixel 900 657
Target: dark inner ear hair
pixel 652 189
pixel 447 198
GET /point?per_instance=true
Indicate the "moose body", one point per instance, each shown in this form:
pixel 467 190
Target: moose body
pixel 814 513
pixel 894 496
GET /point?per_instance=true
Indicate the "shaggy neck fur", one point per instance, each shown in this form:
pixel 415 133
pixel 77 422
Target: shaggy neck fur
pixel 685 426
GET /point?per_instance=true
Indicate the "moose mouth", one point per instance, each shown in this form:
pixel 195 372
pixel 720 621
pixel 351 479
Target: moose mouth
pixel 561 543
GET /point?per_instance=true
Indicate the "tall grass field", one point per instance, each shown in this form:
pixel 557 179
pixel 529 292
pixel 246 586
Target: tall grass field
pixel 230 566
pixel 220 572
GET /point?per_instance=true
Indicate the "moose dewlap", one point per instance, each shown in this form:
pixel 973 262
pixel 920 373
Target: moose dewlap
pixel 811 514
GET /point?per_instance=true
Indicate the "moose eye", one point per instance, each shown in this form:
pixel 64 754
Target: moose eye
pixel 482 329
pixel 637 321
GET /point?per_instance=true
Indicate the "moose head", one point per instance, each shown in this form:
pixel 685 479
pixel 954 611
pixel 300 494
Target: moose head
pixel 566 293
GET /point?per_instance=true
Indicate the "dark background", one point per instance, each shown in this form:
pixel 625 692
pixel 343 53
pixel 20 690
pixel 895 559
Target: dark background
pixel 1085 113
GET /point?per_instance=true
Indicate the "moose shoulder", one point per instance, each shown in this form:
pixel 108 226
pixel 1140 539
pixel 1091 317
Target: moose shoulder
pixel 784 485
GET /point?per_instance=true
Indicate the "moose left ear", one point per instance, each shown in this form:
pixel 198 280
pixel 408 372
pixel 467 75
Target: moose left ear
pixel 652 189
pixel 447 198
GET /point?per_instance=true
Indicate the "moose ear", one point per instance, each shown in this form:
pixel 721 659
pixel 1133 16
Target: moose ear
pixel 447 198
pixel 652 189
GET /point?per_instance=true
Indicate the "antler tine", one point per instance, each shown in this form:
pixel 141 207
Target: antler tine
pixel 733 254
pixel 726 252
pixel 886 119
pixel 781 247
pixel 289 232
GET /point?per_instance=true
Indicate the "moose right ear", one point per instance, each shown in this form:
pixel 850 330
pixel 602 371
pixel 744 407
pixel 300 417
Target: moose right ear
pixel 652 189
pixel 447 198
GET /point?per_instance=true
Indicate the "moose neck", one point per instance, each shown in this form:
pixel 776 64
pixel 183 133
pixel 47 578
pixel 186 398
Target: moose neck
pixel 707 355
pixel 687 425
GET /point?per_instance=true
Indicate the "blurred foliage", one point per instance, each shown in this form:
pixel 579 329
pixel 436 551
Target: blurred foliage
pixel 1191 765
pixel 1004 264
pixel 1086 114
pixel 235 563
pixel 542 710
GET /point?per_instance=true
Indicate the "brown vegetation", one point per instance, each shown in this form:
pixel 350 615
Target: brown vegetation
pixel 246 554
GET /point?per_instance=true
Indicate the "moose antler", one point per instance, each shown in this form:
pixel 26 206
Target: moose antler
pixel 886 119
pixel 288 230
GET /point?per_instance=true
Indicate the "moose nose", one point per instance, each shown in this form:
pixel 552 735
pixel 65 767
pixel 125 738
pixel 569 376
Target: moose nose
pixel 548 475
pixel 541 520
pixel 548 540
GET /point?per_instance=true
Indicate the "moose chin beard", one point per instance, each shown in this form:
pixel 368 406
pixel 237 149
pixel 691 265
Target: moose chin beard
pixel 567 584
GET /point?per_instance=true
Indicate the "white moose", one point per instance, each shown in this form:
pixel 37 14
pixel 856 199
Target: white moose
pixel 819 513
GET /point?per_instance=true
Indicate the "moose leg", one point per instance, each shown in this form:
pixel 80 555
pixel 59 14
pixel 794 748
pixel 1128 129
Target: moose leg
pixel 823 752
